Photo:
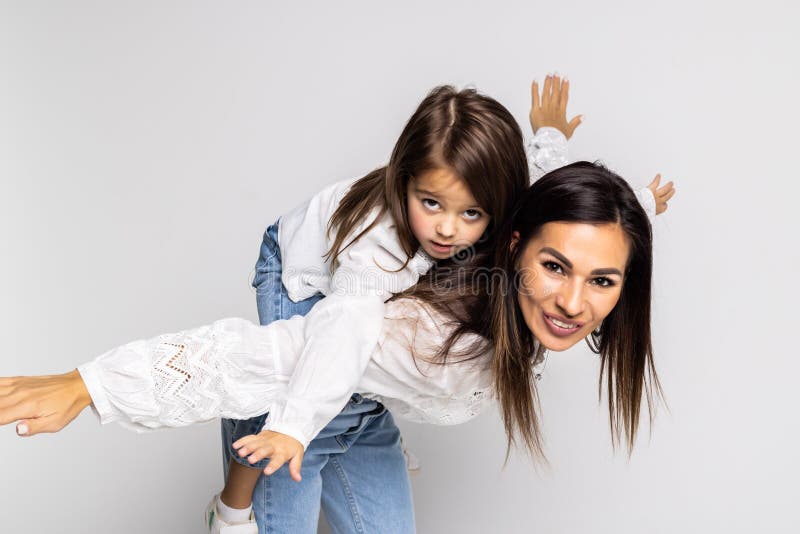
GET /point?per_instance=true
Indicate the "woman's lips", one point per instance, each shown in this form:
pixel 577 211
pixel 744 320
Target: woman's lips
pixel 559 326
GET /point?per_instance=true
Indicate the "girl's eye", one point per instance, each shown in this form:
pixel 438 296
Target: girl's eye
pixel 603 282
pixel 430 203
pixel 552 266
pixel 472 215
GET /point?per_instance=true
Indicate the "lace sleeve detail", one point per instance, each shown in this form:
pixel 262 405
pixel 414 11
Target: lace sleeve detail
pixel 221 370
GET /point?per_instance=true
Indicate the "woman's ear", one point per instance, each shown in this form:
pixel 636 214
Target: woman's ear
pixel 514 240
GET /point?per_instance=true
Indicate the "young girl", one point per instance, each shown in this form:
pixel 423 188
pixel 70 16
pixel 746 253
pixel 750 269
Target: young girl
pixel 578 255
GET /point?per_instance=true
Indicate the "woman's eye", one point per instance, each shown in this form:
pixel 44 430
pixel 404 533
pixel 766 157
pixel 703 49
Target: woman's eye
pixel 552 266
pixel 472 215
pixel 603 282
pixel 430 203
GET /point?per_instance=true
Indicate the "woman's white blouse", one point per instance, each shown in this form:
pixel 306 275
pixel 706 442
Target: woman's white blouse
pixel 234 368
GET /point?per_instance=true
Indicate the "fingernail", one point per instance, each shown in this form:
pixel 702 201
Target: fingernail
pixel 22 429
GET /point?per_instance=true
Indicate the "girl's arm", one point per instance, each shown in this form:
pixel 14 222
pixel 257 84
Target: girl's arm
pixel 341 330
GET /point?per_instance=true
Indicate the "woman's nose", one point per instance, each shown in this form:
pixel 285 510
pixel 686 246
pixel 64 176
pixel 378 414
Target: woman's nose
pixel 570 298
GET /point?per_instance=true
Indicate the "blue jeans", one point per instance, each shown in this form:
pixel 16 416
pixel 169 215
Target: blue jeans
pixel 354 468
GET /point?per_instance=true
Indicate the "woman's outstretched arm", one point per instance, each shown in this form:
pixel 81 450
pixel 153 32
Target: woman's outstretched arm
pixel 226 369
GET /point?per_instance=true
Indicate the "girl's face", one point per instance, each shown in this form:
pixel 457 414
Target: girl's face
pixel 571 277
pixel 443 214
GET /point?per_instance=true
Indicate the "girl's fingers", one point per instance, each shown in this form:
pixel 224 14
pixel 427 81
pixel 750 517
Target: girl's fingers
pixel 244 441
pixel 295 464
pixel 668 195
pixel 274 464
pixel 260 454
pixel 535 96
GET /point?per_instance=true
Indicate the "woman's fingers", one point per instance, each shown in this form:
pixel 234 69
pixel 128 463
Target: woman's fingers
pixel 555 97
pixel 564 96
pixel 40 425
pixel 546 91
pixel 574 123
pixel 653 186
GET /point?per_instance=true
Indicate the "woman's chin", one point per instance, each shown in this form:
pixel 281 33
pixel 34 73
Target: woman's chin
pixel 557 345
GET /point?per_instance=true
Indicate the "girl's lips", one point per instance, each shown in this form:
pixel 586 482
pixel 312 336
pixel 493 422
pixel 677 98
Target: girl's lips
pixel 438 247
pixel 560 331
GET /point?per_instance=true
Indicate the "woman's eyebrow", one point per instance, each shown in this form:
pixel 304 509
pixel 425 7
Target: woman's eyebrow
pixel 560 257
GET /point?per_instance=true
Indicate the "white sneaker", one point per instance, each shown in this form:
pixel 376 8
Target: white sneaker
pixel 215 525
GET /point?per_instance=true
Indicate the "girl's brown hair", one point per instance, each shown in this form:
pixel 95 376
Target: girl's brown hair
pixel 465 131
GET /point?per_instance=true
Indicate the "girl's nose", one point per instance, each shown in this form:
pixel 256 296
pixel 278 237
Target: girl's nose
pixel 446 228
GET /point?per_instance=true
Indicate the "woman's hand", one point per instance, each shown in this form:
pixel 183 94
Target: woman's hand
pixel 42 403
pixel 552 109
pixel 279 448
pixel 661 194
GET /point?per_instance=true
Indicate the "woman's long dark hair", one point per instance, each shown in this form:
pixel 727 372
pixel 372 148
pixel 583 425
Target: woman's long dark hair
pixel 582 192
pixel 472 134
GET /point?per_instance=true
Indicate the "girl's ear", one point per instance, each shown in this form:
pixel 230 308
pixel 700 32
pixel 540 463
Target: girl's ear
pixel 514 240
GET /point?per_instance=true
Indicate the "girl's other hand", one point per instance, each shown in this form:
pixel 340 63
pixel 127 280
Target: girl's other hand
pixel 661 194
pixel 279 448
pixel 551 109
pixel 42 403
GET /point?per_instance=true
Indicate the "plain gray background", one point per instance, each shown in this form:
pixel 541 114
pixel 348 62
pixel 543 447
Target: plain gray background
pixel 144 146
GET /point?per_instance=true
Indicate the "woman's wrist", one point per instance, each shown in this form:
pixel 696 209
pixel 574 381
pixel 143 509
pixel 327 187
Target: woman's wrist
pixel 82 398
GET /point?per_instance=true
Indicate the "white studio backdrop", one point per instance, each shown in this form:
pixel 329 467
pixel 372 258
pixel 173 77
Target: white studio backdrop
pixel 144 146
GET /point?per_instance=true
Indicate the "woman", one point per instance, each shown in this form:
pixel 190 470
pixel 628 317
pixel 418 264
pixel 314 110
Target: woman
pixel 575 262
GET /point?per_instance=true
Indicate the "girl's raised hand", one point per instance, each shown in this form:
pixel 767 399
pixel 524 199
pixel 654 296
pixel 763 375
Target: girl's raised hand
pixel 661 194
pixel 279 448
pixel 551 109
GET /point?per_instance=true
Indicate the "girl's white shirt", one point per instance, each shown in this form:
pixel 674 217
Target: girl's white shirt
pixel 303 370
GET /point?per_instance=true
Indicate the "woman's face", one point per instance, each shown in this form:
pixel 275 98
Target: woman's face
pixel 571 277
